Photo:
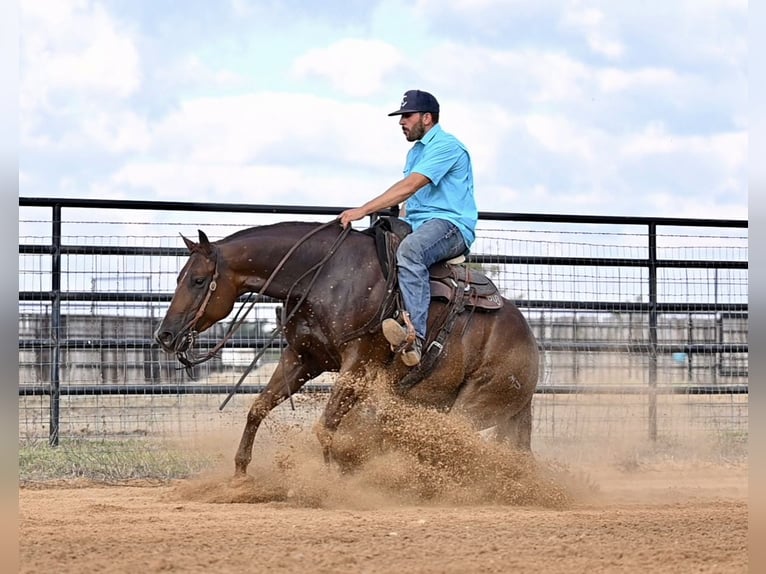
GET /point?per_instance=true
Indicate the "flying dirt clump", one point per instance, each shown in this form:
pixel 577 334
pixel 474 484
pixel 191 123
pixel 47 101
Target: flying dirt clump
pixel 395 452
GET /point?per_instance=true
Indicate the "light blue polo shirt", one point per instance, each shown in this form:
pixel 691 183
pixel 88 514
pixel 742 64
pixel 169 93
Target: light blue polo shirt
pixel 444 160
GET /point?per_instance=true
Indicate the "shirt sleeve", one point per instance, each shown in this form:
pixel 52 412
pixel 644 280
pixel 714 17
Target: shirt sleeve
pixel 437 159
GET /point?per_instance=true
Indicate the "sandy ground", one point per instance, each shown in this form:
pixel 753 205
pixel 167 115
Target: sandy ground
pixel 438 498
pixel 676 519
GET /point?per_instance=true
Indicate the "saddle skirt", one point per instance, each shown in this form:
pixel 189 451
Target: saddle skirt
pixel 449 282
pixel 477 289
pixel 457 284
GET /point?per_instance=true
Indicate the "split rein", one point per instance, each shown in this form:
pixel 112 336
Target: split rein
pixel 240 317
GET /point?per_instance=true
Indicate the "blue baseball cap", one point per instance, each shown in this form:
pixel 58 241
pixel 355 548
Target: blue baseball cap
pixel 417 101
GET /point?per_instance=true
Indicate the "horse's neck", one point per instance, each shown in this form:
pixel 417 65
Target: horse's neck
pixel 267 255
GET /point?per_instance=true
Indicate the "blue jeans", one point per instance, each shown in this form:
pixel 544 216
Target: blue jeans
pixel 433 241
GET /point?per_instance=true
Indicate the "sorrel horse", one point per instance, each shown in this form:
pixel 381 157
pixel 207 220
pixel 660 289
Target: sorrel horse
pixel 335 285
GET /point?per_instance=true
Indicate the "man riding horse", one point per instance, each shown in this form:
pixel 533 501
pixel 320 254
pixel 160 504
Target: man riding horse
pixel 437 192
pixel 489 368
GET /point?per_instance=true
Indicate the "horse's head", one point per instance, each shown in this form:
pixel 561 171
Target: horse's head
pixel 204 295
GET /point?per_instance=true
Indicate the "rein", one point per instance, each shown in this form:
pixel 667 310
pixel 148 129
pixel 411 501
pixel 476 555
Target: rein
pixel 285 317
pixel 387 306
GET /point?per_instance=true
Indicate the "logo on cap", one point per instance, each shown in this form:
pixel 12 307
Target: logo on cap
pixel 417 101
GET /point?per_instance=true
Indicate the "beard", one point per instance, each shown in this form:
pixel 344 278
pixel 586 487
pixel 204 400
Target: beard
pixel 416 132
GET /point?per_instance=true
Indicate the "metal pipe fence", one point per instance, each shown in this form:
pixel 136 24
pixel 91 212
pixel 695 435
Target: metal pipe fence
pixel 622 306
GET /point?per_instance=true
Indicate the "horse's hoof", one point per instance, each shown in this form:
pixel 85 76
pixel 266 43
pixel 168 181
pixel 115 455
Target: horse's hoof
pixel 240 479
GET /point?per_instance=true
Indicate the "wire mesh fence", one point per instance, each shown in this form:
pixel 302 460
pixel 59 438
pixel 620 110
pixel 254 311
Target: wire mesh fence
pixel 642 326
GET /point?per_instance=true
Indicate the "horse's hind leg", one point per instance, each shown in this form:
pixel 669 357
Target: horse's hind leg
pixel 289 376
pixel 516 430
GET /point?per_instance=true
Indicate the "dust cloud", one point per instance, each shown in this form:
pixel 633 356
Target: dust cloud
pixel 391 453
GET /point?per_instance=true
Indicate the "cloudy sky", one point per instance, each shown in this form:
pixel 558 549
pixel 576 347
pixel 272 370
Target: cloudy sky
pixel 567 106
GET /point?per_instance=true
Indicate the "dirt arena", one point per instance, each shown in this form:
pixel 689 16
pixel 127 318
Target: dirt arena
pixel 672 520
pixel 438 498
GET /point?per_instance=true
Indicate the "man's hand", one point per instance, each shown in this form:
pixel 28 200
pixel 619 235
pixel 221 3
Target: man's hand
pixel 394 195
pixel 351 215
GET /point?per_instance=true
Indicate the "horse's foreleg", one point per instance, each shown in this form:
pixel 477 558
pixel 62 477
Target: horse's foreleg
pixel 289 376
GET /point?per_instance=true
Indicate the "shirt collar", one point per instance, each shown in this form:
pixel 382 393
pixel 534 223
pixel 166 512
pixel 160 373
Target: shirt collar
pixel 431 134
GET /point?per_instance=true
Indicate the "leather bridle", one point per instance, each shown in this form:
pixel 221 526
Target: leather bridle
pixel 189 362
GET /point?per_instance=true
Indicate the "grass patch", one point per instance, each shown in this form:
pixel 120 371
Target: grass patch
pixel 108 461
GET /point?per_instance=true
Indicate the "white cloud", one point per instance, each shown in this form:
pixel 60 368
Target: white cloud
pixel 74 47
pixel 509 77
pixel 279 127
pixel 117 132
pixel 356 67
pixel 727 150
pixel 560 136
pixel 483 16
pixel 191 70
pixel 618 80
pixel 257 184
pixel 241 8
pixel 25 177
pixel 549 126
pixel 484 140
pixel 595 28
pixel 698 206
pixel 113 132
pixel 710 30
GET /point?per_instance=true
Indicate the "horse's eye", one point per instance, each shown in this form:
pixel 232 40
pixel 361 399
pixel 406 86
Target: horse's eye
pixel 199 281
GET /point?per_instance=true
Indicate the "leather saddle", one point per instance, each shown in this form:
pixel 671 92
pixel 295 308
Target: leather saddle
pixel 460 286
pixel 449 281
pixel 478 291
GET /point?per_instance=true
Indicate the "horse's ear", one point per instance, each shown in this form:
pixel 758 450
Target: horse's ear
pixel 204 243
pixel 190 245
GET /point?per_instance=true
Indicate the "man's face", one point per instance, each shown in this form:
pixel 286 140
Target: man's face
pixel 413 126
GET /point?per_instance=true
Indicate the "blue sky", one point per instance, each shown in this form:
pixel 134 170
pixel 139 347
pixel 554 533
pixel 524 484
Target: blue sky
pixel 610 108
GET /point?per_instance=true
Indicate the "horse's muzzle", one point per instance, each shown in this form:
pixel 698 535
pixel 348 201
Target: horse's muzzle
pixel 173 342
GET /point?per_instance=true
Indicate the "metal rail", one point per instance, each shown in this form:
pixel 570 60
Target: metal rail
pixel 653 308
pixel 197 389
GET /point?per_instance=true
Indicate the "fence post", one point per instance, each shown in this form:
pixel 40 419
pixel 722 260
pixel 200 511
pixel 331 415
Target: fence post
pixel 55 390
pixel 652 395
pixel 717 367
pixel 690 341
